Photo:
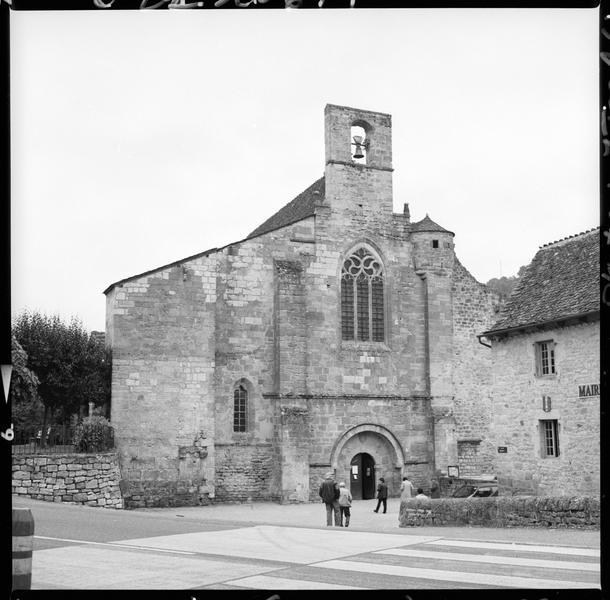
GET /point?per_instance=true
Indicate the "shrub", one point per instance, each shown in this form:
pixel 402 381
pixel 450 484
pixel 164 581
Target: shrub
pixel 93 434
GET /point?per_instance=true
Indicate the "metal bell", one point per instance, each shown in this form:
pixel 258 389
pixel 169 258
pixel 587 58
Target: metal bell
pixel 358 153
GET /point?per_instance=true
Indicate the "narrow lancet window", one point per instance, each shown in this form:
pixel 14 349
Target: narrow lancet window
pixel 240 408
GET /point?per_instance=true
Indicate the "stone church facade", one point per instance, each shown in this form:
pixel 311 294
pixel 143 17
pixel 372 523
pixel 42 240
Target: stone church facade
pixel 338 336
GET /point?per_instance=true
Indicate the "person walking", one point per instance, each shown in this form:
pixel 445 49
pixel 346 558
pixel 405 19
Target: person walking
pixel 329 492
pixel 345 502
pixel 382 495
pixel 406 489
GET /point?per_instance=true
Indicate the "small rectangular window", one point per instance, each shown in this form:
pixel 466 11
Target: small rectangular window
pixel 549 438
pixel 435 243
pixel 545 358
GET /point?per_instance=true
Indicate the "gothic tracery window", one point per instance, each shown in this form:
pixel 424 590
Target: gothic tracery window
pixel 362 312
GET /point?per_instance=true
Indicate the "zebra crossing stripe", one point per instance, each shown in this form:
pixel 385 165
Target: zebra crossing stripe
pixel 264 582
pixel 491 579
pixel 115 544
pixel 518 547
pixel 500 560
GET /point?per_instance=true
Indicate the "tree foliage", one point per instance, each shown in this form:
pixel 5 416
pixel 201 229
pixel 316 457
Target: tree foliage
pixel 26 407
pixel 93 434
pixel 72 367
pixel 505 285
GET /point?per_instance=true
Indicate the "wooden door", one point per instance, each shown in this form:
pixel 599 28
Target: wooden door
pixel 362 476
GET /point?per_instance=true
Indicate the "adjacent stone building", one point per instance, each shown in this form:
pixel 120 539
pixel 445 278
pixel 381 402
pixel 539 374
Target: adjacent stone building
pixel 546 365
pixel 337 336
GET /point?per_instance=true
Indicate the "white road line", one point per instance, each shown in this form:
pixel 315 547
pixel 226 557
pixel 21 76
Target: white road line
pixel 263 582
pixel 501 560
pixel 500 581
pixel 115 544
pixel 519 547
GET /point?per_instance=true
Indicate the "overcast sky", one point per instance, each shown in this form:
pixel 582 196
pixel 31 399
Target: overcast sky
pixel 142 137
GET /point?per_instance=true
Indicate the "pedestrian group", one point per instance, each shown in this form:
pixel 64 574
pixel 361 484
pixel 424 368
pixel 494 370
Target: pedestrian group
pixel 338 499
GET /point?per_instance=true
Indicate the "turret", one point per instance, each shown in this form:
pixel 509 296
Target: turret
pixel 432 246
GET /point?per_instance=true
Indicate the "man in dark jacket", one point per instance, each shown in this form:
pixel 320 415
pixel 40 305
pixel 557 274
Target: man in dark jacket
pixel 329 492
pixel 382 495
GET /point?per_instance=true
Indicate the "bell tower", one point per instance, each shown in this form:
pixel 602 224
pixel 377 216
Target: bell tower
pixel 358 149
pixel 343 124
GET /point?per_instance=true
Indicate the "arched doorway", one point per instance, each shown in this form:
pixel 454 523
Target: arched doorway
pixel 387 456
pixel 362 476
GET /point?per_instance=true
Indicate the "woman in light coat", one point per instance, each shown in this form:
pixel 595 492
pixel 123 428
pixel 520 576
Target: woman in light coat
pixel 345 502
pixel 406 489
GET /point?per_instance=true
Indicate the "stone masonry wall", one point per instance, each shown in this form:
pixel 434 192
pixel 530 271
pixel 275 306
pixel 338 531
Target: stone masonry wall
pixel 161 328
pixel 469 459
pixel 91 479
pixel 569 511
pixel 518 410
pixel 474 309
pixel 245 473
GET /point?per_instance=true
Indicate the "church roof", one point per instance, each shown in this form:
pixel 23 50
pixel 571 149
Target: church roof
pixel 427 224
pixel 561 281
pixel 301 207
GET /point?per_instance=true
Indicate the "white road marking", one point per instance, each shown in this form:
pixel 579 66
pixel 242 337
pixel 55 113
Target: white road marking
pixel 452 576
pixel 264 582
pixel 116 544
pixel 285 544
pixel 519 547
pixel 500 560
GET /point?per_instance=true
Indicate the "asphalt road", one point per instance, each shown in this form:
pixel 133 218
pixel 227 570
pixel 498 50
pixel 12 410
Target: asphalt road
pixel 55 522
pixel 287 547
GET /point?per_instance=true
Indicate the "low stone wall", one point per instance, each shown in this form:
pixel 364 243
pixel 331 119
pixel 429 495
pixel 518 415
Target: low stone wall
pixel 91 479
pixel 529 511
pixel 161 494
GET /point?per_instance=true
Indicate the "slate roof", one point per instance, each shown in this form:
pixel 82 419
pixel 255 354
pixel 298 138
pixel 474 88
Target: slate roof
pixel 561 281
pixel 427 224
pixel 301 207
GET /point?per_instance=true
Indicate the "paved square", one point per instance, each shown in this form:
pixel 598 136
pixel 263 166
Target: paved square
pixel 288 544
pixel 104 567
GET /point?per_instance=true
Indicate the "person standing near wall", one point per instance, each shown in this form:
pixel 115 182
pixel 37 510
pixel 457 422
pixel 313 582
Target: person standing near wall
pixel 329 492
pixel 345 502
pixel 421 495
pixel 406 489
pixel 382 495
pixel 435 490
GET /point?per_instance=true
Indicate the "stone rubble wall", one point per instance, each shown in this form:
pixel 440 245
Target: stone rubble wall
pixel 474 310
pixel 579 512
pixel 518 410
pixel 246 473
pixel 91 479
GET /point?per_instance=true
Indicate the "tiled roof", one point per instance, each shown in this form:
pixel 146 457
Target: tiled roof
pixel 427 224
pixel 301 207
pixel 562 280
